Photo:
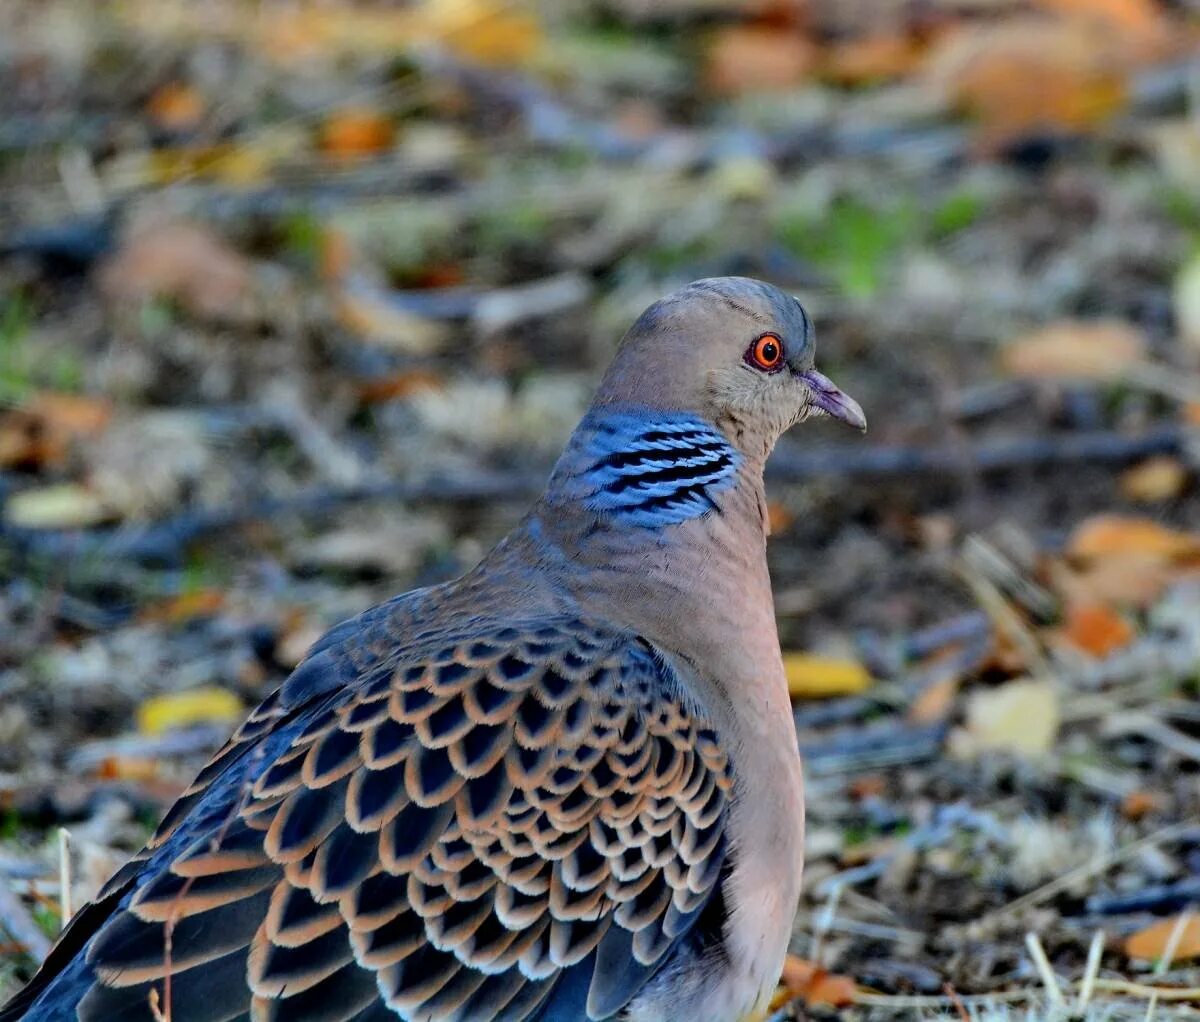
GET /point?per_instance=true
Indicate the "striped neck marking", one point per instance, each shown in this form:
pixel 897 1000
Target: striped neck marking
pixel 649 471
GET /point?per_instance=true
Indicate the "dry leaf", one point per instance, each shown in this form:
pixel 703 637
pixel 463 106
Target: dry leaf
pixel 935 701
pixel 183 262
pixel 751 58
pixel 1151 942
pixel 398 385
pixel 1139 804
pixel 1019 716
pixel 41 431
pixel 356 132
pixel 814 985
pixel 1139 22
pixel 818 677
pixel 1076 349
pixel 65 506
pixel 1096 629
pixel 176 107
pixel 186 606
pixel 1154 480
pixel 779 517
pixel 205 705
pixel 872 59
pixel 1032 73
pixel 485 31
pixel 1108 535
pixel 1134 579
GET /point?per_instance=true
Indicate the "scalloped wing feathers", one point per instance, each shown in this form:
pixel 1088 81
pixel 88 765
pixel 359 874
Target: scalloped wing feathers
pixel 520 823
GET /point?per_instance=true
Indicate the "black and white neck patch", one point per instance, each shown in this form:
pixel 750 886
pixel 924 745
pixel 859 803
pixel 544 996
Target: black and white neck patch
pixel 651 470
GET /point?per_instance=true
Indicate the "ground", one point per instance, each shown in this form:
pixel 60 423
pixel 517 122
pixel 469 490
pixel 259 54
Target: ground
pixel 297 306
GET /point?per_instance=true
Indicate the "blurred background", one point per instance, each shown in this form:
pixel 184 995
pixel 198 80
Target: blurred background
pixel 298 302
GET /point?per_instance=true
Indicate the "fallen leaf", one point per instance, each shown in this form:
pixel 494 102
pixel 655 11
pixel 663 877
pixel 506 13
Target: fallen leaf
pixel 1030 73
pixel 186 606
pixel 398 385
pixel 872 59
pixel 1139 804
pixel 1154 480
pixel 1107 535
pixel 1151 942
pixel 176 106
pixel 819 677
pixel 814 985
pixel 64 506
pixel 1132 579
pixel 1018 716
pixel 485 31
pixel 1076 349
pixel 205 705
pixel 1096 629
pixel 1139 22
pixel 40 432
pixel 754 58
pixel 184 262
pixel 779 517
pixel 356 132
pixel 935 701
pixel 128 768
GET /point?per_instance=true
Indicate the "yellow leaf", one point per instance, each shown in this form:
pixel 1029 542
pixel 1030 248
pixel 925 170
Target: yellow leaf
pixel 818 677
pixel 205 705
pixel 1154 480
pixel 1152 942
pixel 1019 716
pixel 1075 349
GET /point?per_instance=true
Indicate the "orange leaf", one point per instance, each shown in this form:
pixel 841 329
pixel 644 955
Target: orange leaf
pixel 1096 629
pixel 935 702
pixel 748 58
pixel 187 606
pixel 353 133
pixel 176 107
pixel 1152 942
pixel 398 385
pixel 873 59
pixel 812 984
pixel 1139 804
pixel 1108 535
pixel 1033 73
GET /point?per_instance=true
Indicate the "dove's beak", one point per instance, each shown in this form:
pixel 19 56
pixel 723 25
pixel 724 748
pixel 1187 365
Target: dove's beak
pixel 833 402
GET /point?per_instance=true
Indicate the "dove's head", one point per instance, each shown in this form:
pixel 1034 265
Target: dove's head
pixel 735 351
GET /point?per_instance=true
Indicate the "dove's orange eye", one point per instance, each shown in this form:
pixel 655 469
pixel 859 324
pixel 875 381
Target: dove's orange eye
pixel 766 353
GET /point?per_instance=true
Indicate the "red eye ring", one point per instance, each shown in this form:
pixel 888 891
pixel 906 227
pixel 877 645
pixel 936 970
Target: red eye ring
pixel 766 353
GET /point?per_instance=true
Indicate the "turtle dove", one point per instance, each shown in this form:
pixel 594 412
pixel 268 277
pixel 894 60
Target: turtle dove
pixel 564 787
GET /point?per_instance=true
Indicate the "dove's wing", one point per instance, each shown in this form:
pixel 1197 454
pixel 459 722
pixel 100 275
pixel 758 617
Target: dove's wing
pixel 504 821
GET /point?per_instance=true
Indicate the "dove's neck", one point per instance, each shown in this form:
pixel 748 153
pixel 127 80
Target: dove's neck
pixel 658 523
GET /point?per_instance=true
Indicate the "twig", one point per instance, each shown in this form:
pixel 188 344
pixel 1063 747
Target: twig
pixel 1125 986
pixel 64 876
pixel 1091 971
pixel 1033 945
pixel 1177 932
